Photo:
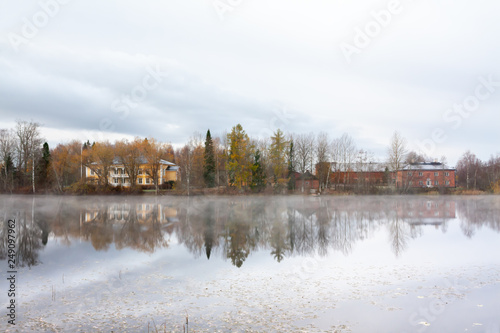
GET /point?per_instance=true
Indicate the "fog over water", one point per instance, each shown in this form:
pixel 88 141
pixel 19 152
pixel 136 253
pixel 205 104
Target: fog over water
pixel 253 264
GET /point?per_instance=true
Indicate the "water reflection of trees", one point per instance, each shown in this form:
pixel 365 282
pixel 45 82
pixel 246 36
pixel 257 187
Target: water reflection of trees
pixel 476 213
pixel 235 227
pixel 69 219
pixel 304 226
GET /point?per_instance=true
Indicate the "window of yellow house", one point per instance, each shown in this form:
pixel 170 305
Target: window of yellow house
pixel 140 180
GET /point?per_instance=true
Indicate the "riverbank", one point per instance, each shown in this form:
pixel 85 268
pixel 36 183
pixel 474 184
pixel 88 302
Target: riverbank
pixel 91 190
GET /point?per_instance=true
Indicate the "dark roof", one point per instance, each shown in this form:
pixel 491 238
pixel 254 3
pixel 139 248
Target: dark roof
pixel 304 176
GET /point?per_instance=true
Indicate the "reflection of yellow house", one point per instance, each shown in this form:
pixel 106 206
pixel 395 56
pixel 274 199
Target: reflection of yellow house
pixel 119 177
pixel 144 213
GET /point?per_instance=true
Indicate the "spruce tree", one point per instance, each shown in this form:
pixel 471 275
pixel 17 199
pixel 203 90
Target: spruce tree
pixel 43 166
pixel 209 162
pixel 291 167
pixel 258 175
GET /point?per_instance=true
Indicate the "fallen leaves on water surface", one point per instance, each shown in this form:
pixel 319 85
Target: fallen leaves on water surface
pixel 233 301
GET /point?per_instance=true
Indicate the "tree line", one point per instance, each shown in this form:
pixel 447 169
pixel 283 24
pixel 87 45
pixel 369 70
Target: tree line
pixel 233 160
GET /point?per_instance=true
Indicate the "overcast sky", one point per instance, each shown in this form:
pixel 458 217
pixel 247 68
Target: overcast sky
pixel 118 69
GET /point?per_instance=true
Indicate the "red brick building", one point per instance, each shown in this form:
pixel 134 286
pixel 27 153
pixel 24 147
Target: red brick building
pixel 306 181
pixel 426 174
pixel 358 173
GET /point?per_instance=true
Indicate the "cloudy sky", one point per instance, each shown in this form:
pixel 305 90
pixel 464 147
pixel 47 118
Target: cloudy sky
pixel 118 69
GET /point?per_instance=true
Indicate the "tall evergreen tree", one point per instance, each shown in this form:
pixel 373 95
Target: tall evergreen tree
pixel 277 158
pixel 7 173
pixel 258 174
pixel 43 166
pixel 291 167
pixel 209 162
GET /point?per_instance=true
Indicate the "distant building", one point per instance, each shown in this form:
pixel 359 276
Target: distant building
pixel 355 173
pixel 425 174
pixel 119 177
pixel 306 181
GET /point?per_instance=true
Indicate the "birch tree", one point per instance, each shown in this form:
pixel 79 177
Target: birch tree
pixel 28 145
pixel 347 153
pixel 396 153
pixel 322 158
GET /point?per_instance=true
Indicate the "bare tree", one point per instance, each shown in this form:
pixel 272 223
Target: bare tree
pixel 154 152
pixel 100 160
pixel 493 173
pixel 28 146
pixel 304 151
pixel 322 158
pixel 396 153
pixel 304 144
pixel 185 157
pixel 468 169
pixel 347 154
pixel 335 159
pixel 130 155
pixel 364 167
pixel 414 157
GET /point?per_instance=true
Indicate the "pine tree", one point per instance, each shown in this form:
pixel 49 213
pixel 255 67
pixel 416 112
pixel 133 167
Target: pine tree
pixel 7 171
pixel 43 166
pixel 209 162
pixel 258 175
pixel 291 167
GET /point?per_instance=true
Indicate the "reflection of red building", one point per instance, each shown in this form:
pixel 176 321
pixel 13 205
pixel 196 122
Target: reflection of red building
pixel 427 211
pixel 433 174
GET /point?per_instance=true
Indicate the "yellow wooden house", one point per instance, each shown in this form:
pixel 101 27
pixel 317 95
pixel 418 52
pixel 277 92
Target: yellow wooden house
pixel 118 176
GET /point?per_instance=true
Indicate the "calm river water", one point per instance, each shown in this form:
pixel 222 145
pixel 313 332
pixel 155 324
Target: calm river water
pixel 252 264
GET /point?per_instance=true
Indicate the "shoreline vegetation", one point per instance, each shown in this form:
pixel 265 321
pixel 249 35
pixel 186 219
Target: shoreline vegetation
pixel 232 163
pixel 83 189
